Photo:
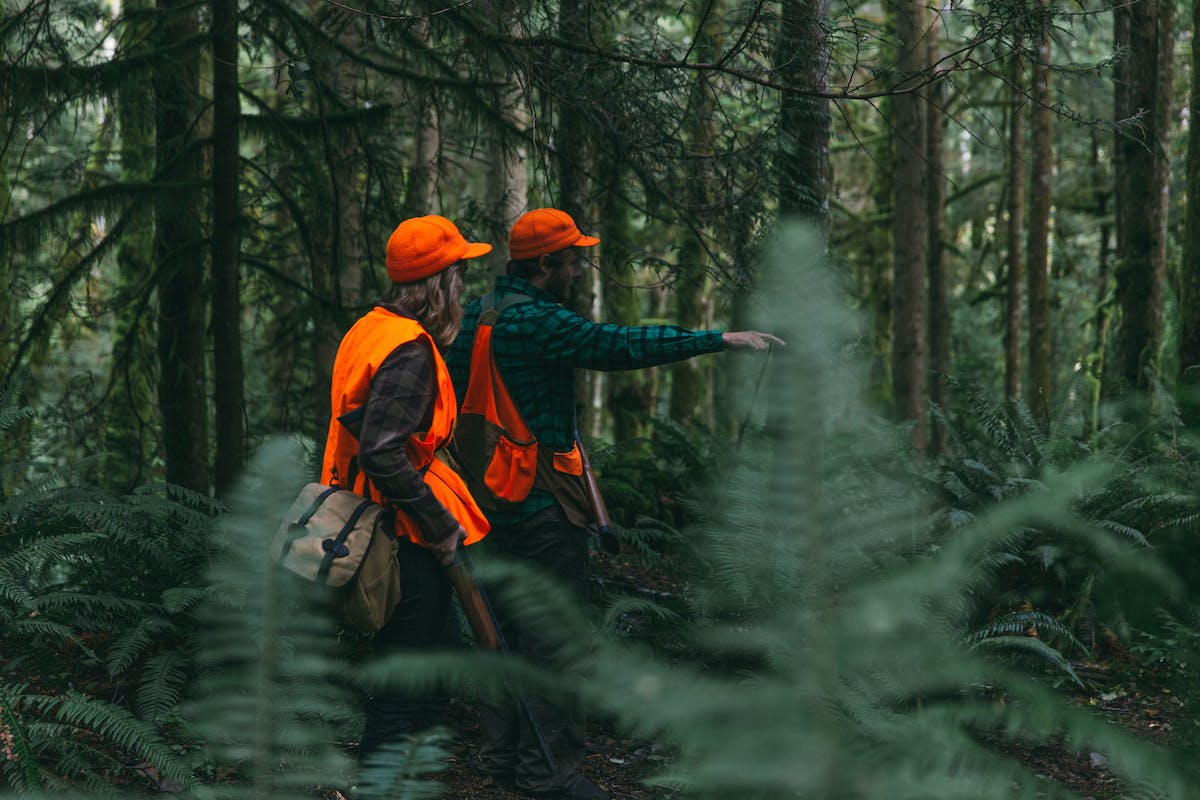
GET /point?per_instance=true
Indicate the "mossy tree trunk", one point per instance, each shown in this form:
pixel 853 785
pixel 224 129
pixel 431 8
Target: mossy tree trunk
pixel 228 389
pixel 910 229
pixel 1015 230
pixel 939 312
pixel 130 423
pixel 691 386
pixel 507 179
pixel 1189 268
pixel 179 254
pixel 803 61
pixel 1141 190
pixel 420 191
pixel 1039 390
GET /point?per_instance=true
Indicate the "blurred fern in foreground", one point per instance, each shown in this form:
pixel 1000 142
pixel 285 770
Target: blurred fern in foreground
pixel 830 645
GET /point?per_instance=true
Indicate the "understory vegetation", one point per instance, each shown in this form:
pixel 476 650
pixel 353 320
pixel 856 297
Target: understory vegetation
pixel 841 616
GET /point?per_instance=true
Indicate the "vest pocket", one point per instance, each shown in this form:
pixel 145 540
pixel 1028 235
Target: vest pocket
pixel 570 462
pixel 511 470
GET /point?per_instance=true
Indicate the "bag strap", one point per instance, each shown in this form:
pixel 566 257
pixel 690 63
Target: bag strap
pixel 337 546
pixel 490 310
pixel 316 503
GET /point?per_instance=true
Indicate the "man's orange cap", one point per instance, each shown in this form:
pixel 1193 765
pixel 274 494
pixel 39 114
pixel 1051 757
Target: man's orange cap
pixel 544 231
pixel 423 246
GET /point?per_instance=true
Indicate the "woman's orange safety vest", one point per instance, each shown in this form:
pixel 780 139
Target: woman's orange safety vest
pixel 364 348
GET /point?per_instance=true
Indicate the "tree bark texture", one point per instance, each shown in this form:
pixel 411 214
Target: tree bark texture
pixel 628 397
pixel 1014 310
pixel 691 397
pixel 802 60
pixel 1189 268
pixel 178 251
pixel 132 416
pixel 910 232
pixel 507 180
pixel 420 191
pixel 228 389
pixel 1141 223
pixel 939 312
pixel 1040 390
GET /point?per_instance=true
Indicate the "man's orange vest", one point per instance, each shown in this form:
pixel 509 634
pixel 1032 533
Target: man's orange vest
pixel 362 351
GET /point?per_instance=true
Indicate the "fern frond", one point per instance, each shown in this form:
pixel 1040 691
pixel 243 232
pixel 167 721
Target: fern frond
pixel 401 770
pixel 1029 646
pixel 128 644
pixel 161 685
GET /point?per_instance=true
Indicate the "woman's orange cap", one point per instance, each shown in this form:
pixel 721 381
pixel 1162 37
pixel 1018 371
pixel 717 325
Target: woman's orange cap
pixel 544 231
pixel 424 246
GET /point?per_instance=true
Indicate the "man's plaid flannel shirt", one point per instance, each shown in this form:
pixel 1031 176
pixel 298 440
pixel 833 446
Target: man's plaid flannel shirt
pixel 539 345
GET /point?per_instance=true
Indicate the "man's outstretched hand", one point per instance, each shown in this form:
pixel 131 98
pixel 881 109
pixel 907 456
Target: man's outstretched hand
pixel 752 340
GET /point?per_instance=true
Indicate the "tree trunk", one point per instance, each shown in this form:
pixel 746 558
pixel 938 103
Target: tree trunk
pixel 691 391
pixel 910 232
pixel 130 421
pixel 571 158
pixel 339 270
pixel 1094 362
pixel 1040 390
pixel 628 399
pixel 1141 223
pixel 228 391
pixel 1016 226
pixel 1189 267
pixel 420 192
pixel 507 180
pixel 939 313
pixel 178 251
pixel 803 62
pixel 7 298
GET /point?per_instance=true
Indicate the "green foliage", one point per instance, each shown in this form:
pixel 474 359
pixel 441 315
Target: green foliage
pixel 831 645
pixel 83 577
pixel 275 689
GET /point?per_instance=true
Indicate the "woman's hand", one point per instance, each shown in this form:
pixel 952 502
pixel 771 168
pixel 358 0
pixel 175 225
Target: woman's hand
pixel 446 548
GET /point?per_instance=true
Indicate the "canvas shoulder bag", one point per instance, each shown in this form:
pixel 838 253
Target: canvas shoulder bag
pixel 344 543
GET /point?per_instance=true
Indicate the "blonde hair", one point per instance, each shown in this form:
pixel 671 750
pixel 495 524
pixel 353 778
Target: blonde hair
pixel 430 301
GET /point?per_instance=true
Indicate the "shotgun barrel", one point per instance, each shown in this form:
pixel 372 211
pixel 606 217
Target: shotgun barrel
pixel 488 635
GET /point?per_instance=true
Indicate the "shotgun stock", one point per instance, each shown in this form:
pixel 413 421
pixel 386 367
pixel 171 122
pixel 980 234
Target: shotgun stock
pixel 599 510
pixel 487 632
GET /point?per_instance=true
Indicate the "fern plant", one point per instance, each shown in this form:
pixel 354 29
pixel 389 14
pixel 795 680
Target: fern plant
pixel 91 606
pixel 830 651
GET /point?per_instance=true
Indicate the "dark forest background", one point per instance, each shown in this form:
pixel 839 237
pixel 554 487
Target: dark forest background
pixel 983 420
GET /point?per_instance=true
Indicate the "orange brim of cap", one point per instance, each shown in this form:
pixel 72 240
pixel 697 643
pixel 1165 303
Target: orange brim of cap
pixel 476 249
pixel 586 241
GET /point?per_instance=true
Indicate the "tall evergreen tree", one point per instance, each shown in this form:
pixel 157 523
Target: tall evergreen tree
pixel 1040 390
pixel 803 63
pixel 228 389
pixel 1141 106
pixel 939 312
pixel 910 230
pixel 1014 308
pixel 179 250
pixel 130 434
pixel 691 396
pixel 1189 268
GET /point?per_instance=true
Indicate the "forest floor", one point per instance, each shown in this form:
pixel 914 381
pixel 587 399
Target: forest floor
pixel 1119 688
pixel 1131 697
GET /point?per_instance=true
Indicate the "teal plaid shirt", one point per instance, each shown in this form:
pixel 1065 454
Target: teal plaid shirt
pixel 539 345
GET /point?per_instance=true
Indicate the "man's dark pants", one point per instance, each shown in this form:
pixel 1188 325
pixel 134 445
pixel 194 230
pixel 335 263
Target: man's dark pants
pixel 550 543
